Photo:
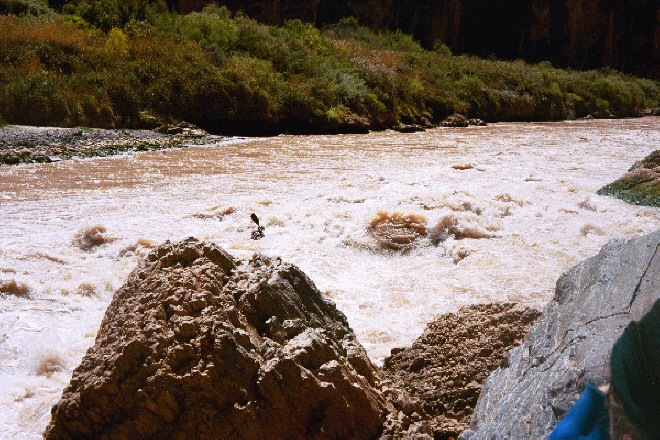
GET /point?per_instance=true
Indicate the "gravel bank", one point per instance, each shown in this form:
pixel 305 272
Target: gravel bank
pixel 20 144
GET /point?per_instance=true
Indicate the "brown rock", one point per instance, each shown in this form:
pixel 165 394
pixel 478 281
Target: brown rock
pixel 91 237
pixel 357 124
pixel 183 128
pixel 184 352
pixel 478 122
pixel 455 120
pixel 408 128
pixel 448 364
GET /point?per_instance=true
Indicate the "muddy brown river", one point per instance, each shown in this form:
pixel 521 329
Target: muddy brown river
pixel 520 200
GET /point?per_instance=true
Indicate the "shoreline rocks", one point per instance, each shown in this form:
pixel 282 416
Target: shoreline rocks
pixel 23 144
pixel 640 185
pixel 571 343
pixel 446 367
pixel 459 120
pixel 455 120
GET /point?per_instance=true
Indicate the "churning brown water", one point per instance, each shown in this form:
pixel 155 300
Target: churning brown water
pixel 479 214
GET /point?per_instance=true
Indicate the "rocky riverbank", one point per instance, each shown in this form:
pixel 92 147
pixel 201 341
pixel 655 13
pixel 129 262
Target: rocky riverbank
pixel 26 144
pixel 640 185
pixel 22 144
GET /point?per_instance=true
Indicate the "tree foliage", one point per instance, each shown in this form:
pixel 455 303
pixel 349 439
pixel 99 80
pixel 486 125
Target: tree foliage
pixel 104 63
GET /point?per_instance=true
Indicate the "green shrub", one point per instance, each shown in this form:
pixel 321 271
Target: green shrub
pixel 231 74
pixel 401 42
pixel 441 49
pixel 107 14
pixel 342 86
pixel 213 29
pixel 117 44
pixel 26 8
pixel 256 100
pixel 480 99
pixel 36 99
pixel 304 35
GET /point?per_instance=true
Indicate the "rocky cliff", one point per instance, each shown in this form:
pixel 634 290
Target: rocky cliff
pixel 582 34
pixel 571 343
pixel 199 345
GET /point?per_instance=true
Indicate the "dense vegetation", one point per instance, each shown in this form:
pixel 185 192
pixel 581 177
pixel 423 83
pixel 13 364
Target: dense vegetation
pixel 112 63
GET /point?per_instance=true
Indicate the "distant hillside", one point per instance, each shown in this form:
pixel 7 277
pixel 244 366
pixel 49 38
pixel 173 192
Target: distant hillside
pixel 583 34
pixel 117 63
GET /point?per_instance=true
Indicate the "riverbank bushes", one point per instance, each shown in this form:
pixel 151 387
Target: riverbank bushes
pixel 230 74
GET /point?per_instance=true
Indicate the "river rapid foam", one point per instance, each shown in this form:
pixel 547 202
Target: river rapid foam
pixel 476 215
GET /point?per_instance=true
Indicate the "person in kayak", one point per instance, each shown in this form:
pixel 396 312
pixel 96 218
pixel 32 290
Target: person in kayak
pixel 258 233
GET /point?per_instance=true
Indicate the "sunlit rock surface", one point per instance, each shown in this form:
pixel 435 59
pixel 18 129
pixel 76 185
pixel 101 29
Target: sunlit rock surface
pixel 571 343
pixel 199 345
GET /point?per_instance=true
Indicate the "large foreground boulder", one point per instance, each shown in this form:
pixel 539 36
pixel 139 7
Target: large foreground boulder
pixel 640 185
pixel 448 364
pixel 197 345
pixel 571 343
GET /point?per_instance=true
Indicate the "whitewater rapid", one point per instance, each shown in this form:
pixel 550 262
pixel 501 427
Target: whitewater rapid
pixel 530 186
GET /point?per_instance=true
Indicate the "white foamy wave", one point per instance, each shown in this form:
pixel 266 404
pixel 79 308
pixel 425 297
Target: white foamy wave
pixel 91 237
pixel 465 225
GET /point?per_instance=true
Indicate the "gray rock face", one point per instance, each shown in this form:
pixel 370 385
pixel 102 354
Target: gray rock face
pixel 571 343
pixel 199 345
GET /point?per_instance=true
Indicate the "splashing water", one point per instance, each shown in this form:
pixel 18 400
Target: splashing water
pixel 396 231
pixel 524 210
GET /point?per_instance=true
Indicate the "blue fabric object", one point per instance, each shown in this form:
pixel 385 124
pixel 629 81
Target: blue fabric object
pixel 587 420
